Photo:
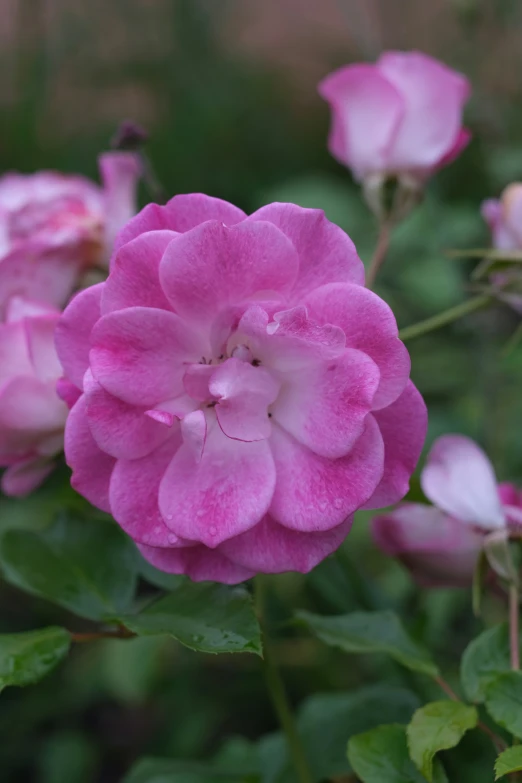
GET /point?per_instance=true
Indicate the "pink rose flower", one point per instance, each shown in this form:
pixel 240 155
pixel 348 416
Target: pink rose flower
pixel 399 117
pixel 440 544
pixel 243 393
pixel 504 218
pixel 32 416
pixel 53 226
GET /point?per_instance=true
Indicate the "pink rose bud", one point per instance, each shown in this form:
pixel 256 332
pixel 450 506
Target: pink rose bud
pixel 55 226
pixel 32 417
pixel 440 544
pixel 243 393
pixel 504 218
pixel 401 117
pixel 438 550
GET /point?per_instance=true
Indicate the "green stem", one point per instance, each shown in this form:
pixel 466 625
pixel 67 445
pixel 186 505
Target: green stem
pixel 514 644
pixel 446 317
pixel 379 255
pixel 279 696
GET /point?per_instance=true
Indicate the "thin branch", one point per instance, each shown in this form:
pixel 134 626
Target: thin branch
pixel 498 742
pixel 379 255
pixel 444 318
pixel 92 636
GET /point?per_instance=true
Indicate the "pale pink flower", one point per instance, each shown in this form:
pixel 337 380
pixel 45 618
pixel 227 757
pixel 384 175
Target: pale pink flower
pixel 504 218
pixel 399 117
pixel 32 416
pixel 243 392
pixel 440 544
pixel 54 226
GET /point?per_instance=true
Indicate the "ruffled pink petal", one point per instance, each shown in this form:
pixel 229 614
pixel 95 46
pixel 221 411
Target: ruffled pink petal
pixel 133 495
pixel 18 308
pixel 225 493
pixel 244 393
pixel 39 271
pixel 25 476
pixel 503 238
pixel 367 109
pixel 14 352
pixel 326 253
pixel 316 494
pixel 196 380
pixel 459 145
pixel 509 494
pixel 213 267
pixel 369 326
pixel 181 213
pixel 270 548
pixel 403 426
pixel 434 97
pixel 512 211
pixel 199 563
pixel 439 550
pixel 137 354
pixel 325 406
pixel 120 172
pixel 194 433
pixel 511 499
pixel 73 333
pixel 67 392
pixel 290 342
pixel 459 479
pixel 91 467
pixel 29 411
pixel 120 429
pixel 40 332
pixel 134 276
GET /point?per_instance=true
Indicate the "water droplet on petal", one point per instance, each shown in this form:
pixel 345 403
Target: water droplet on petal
pixel 338 502
pixel 172 538
pixel 169 517
pixel 212 530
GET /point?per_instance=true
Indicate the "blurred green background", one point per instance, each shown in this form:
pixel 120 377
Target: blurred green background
pixel 227 91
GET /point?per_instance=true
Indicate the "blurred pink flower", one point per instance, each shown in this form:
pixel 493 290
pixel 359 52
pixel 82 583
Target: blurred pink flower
pixel 54 226
pixel 32 417
pixel 504 218
pixel 440 544
pixel 400 117
pixel 243 392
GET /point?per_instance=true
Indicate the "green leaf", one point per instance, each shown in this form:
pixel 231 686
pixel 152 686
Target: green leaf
pixel 367 632
pixel 499 555
pixel 504 701
pixel 438 726
pixel 86 565
pixel 381 756
pixel 206 617
pixel 327 720
pixel 27 657
pixel 508 761
pixel 484 658
pixel 159 578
